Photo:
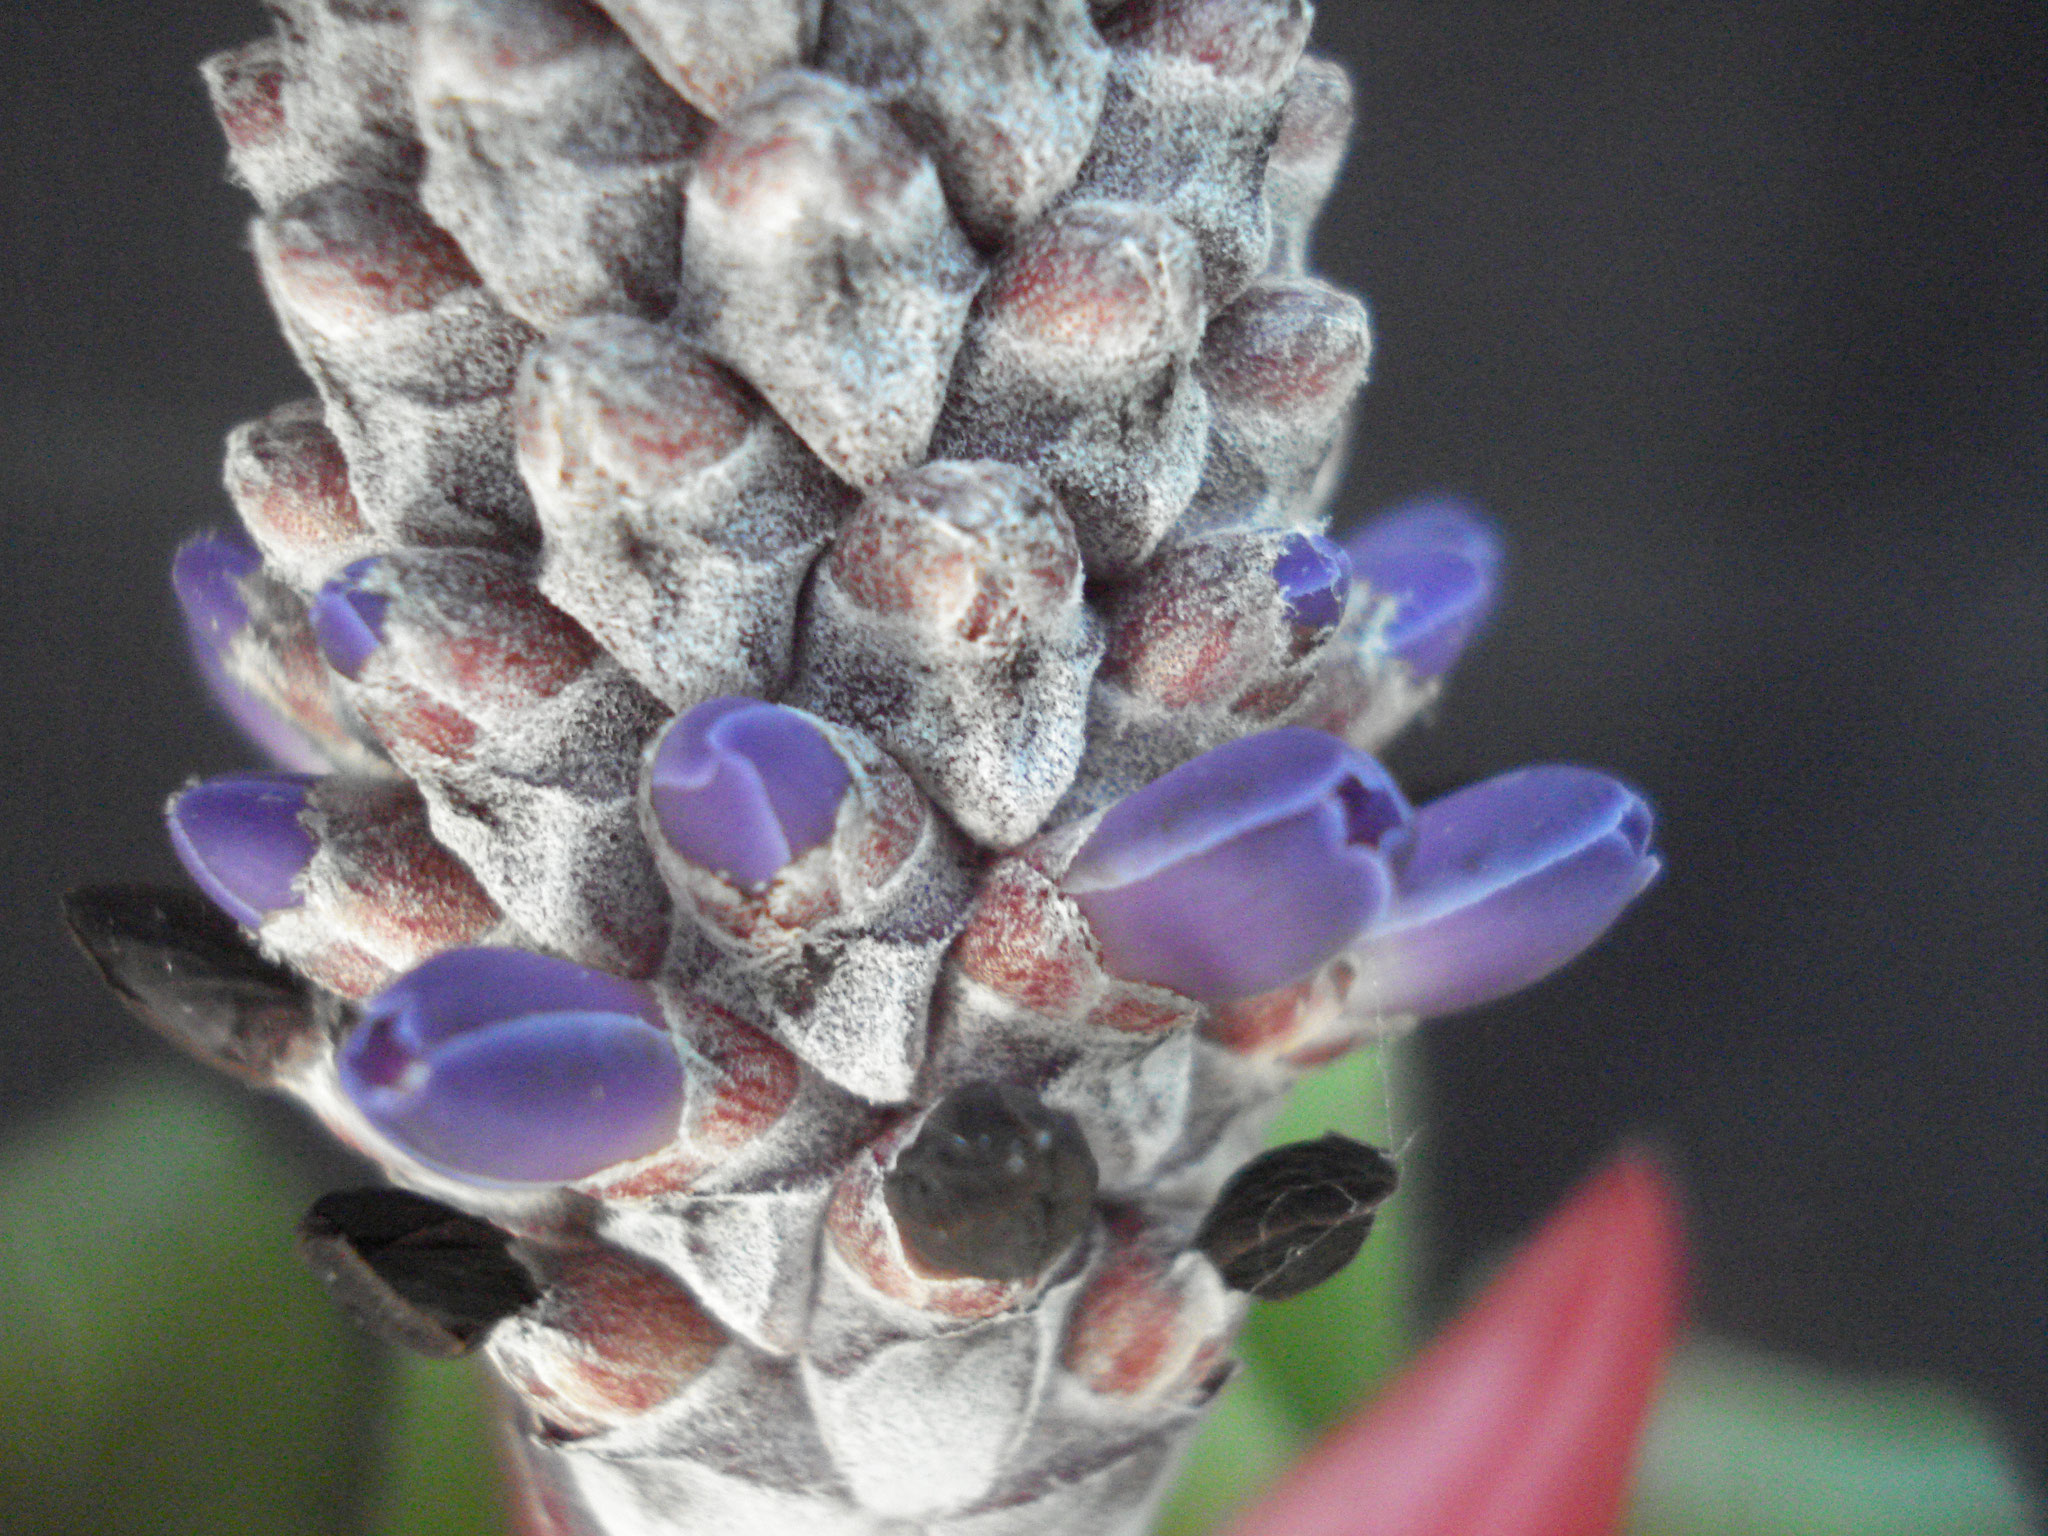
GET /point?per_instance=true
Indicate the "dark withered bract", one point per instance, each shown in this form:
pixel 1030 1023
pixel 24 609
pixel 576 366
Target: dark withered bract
pixel 1292 1217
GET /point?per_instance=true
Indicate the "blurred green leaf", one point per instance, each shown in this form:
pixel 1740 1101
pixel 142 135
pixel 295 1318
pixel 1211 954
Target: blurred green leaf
pixel 442 1475
pixel 1748 1444
pixel 1247 1442
pixel 1325 1351
pixel 170 1368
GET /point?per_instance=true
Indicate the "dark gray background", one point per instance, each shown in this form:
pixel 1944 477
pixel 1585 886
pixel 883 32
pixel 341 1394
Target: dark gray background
pixel 1733 315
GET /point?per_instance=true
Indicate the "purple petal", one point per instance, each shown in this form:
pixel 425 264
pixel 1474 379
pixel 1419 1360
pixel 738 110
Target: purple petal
pixel 1243 870
pixel 207 574
pixel 1440 561
pixel 240 838
pixel 744 787
pixel 1506 881
pixel 1314 576
pixel 514 1067
pixel 348 619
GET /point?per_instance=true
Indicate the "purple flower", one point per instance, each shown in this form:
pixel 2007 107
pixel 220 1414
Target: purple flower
pixel 348 618
pixel 1506 881
pixel 744 788
pixel 511 1067
pixel 207 574
pixel 1314 576
pixel 1243 870
pixel 241 839
pixel 1440 563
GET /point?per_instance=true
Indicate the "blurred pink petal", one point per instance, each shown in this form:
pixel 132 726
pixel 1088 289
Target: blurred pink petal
pixel 1522 1419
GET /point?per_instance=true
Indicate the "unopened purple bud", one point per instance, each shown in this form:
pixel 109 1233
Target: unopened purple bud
pixel 1314 576
pixel 241 840
pixel 744 787
pixel 1507 880
pixel 1243 870
pixel 512 1067
pixel 348 619
pixel 207 574
pixel 1440 562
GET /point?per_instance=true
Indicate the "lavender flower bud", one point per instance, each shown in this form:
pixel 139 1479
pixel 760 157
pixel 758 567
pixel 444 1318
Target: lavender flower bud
pixel 744 788
pixel 1507 880
pixel 511 1067
pixel 1438 561
pixel 348 618
pixel 1243 870
pixel 242 840
pixel 290 483
pixel 1314 576
pixel 250 642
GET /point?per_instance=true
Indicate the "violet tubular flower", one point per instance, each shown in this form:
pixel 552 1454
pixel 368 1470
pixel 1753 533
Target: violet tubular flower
pixel 1244 869
pixel 242 840
pixel 1438 562
pixel 744 788
pixel 510 1067
pixel 1506 881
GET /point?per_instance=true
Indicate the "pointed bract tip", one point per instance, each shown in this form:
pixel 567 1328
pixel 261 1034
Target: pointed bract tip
pixel 1523 1418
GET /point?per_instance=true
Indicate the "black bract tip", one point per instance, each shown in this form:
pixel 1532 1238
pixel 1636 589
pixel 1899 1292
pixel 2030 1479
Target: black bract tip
pixel 1292 1217
pixel 413 1271
pixel 185 969
pixel 996 1185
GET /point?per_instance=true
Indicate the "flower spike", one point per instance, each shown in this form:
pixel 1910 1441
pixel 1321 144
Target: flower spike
pixel 1523 1418
pixel 511 1067
pixel 1242 870
pixel 1507 881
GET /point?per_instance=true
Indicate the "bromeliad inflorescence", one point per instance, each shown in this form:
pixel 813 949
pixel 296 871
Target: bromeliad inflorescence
pixel 824 776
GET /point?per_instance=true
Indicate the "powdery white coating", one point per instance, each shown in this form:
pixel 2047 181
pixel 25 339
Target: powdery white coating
pixel 380 895
pixel 1281 367
pixel 948 623
pixel 1078 363
pixel 714 51
pixel 591 523
pixel 1004 93
pixel 1195 96
pixel 476 691
pixel 821 262
pixel 323 99
pixel 1308 152
pixel 289 481
pixel 679 516
pixel 1202 650
pixel 413 359
pixel 555 156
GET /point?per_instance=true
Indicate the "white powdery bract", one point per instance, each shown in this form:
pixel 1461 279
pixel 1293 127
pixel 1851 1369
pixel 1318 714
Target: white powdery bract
pixel 947 372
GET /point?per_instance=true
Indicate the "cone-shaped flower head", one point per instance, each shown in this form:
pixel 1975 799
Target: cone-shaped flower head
pixel 1244 869
pixel 744 788
pixel 1440 563
pixel 240 837
pixel 1314 576
pixel 1523 1418
pixel 207 576
pixel 1506 881
pixel 511 1067
pixel 348 618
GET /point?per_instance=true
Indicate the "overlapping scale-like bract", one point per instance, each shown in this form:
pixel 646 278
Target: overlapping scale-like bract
pixel 812 682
